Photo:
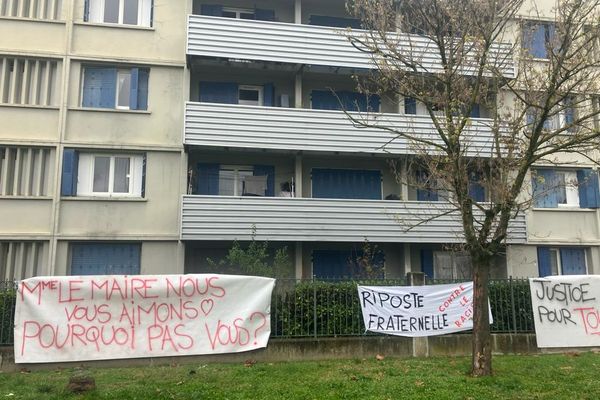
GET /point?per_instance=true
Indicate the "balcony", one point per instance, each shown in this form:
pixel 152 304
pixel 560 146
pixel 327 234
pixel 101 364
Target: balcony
pixel 306 44
pixel 313 220
pixel 236 126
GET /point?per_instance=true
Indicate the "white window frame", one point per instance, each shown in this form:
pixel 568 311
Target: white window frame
pixel 453 260
pixel 559 271
pixel 120 72
pixel 239 11
pixel 236 169
pixel 571 189
pixel 85 176
pixel 260 91
pixel 96 13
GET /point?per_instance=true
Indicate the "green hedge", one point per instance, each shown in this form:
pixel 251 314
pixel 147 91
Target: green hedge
pixel 338 310
pixel 7 316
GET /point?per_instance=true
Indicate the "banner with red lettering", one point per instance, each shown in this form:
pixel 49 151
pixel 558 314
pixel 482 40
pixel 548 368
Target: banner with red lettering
pixel 566 310
pixel 76 318
pixel 418 310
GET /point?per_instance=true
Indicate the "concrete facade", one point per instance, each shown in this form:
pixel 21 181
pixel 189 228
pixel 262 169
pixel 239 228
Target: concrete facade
pixel 39 225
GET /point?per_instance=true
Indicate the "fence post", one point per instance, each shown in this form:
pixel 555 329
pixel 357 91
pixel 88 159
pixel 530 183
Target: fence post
pixel 512 303
pixel 314 308
pixel 420 345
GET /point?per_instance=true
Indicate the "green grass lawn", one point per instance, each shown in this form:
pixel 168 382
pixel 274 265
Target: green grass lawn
pixel 569 376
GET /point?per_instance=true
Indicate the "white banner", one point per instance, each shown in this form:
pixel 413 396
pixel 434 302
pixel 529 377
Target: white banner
pixel 566 310
pixel 418 310
pixel 77 318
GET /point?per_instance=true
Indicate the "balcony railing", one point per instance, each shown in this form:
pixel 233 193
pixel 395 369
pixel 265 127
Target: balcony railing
pixel 313 220
pixel 227 125
pixel 308 44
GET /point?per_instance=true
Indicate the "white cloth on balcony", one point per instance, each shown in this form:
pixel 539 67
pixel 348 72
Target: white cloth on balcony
pixel 255 185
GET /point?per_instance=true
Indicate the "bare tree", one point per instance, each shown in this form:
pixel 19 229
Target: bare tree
pixel 447 56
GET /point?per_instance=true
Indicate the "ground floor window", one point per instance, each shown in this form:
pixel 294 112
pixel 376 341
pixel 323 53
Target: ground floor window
pixel 561 261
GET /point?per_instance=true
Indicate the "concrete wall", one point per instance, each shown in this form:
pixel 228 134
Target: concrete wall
pixel 284 350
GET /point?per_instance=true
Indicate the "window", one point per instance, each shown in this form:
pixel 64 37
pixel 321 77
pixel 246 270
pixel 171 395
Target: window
pixel 123 12
pixel 239 13
pixel 565 188
pixel 235 180
pixel 561 118
pixel 538 38
pixel 344 100
pixel 105 258
pixel 117 88
pixel 232 180
pixel 28 81
pixel 450 265
pixel 561 261
pixel 250 95
pixel 340 264
pixel 103 174
pixel 24 171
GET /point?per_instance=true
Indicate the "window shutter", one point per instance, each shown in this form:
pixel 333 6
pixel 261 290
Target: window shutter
pixel 475 111
pixel 102 86
pixel 338 22
pixel 144 176
pixel 534 39
pixel 476 189
pixel 208 179
pixel 346 184
pixel 264 15
pixel 410 106
pixel 269 171
pixel 544 262
pixel 589 194
pixel 142 99
pixel 572 261
pixel 331 264
pixel 324 100
pixel 86 11
pixel 545 190
pixel 219 92
pixel 269 95
pixel 425 193
pixel 351 100
pixel 216 10
pixel 105 258
pixel 427 262
pixel 68 185
pixel 569 111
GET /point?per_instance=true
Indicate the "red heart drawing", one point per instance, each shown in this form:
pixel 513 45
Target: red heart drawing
pixel 206 306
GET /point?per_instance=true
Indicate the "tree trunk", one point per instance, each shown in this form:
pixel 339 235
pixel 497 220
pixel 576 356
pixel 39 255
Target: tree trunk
pixel 482 350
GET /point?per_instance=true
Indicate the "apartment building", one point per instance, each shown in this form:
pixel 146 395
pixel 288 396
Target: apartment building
pixel 147 136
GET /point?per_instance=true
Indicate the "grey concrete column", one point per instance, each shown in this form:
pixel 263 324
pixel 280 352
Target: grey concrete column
pixel 420 344
pixel 298 12
pixel 298 103
pixel 298 260
pixel 407 258
pixel 298 176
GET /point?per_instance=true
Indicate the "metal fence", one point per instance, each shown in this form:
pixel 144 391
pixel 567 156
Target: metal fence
pixel 321 308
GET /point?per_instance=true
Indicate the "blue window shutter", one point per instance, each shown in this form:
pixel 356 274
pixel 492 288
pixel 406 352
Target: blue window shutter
pixel 144 176
pixel 219 92
pixel 99 87
pixel 269 95
pixel 269 171
pixel 68 184
pixel 208 179
pixel 427 262
pixel 425 193
pixel 264 15
pixel 544 262
pixel 410 106
pixel 569 111
pixel 133 90
pixel 534 39
pixel 354 101
pixel 374 101
pixel 108 88
pixel 572 261
pixel 324 20
pixel 216 10
pixel 476 189
pixel 142 92
pixel 589 194
pixel 475 111
pixel 332 264
pixel 105 258
pixel 346 184
pixel 324 100
pixel 86 11
pixel 545 190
